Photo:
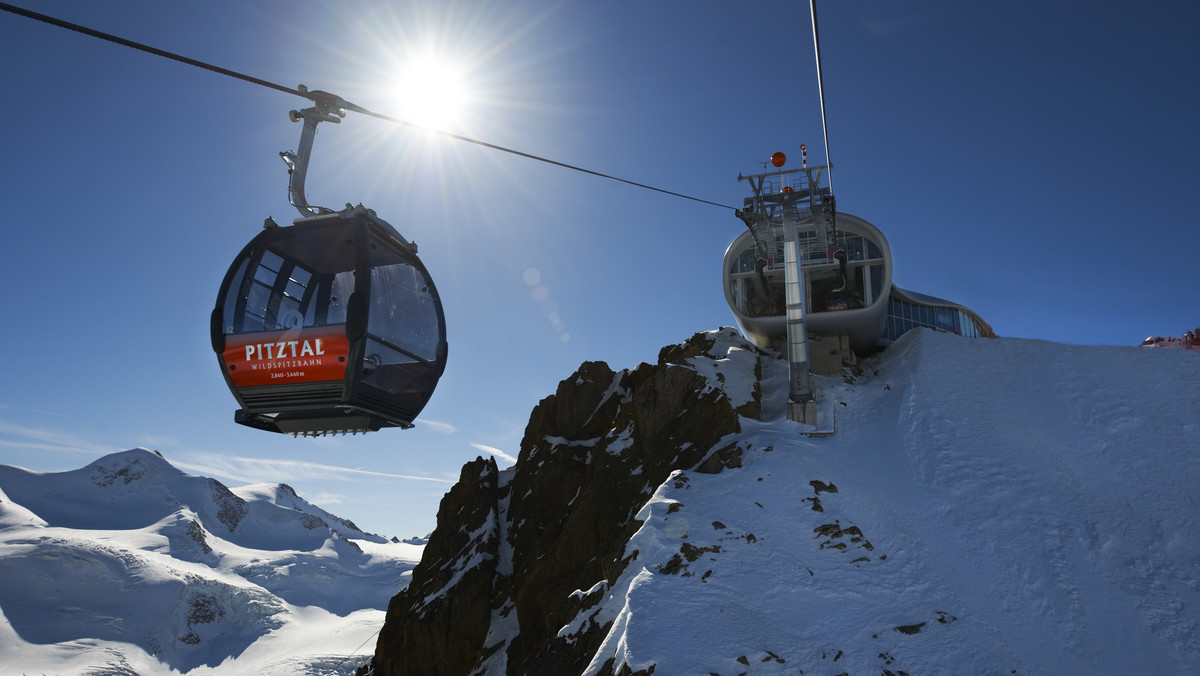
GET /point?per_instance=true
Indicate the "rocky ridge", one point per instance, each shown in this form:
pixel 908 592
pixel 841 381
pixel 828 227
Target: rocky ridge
pixel 511 545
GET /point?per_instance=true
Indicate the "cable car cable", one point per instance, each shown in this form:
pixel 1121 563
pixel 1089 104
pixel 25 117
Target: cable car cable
pixel 334 669
pixel 145 48
pixel 518 153
pixel 821 90
pixel 842 280
pixel 304 93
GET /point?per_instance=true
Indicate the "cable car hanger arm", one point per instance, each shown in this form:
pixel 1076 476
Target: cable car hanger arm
pixel 326 108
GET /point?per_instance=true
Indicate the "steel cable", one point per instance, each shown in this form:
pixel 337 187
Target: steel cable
pixel 349 106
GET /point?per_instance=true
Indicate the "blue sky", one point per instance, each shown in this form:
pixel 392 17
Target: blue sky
pixel 1034 161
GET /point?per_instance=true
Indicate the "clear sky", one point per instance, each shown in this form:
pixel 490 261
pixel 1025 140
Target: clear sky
pixel 1036 161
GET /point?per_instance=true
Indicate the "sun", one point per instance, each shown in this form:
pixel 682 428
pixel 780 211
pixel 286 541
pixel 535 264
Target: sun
pixel 432 92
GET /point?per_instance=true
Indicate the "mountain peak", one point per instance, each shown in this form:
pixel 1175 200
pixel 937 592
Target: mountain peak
pixel 126 467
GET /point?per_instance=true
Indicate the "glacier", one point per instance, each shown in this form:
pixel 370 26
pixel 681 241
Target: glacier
pixel 130 564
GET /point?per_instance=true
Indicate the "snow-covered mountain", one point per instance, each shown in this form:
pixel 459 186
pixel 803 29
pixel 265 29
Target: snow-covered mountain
pixel 130 566
pixel 986 507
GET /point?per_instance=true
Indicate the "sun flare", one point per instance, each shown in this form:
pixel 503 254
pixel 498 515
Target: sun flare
pixel 432 93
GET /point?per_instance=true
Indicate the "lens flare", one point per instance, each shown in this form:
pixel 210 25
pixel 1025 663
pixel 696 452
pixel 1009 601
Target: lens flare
pixel 432 92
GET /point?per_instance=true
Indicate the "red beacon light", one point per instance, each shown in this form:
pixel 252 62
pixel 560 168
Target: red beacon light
pixel 778 159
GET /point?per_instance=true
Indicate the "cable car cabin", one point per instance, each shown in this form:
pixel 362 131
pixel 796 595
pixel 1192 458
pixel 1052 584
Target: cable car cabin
pixel 331 325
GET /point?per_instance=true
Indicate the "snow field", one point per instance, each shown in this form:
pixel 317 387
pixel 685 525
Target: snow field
pixel 1001 506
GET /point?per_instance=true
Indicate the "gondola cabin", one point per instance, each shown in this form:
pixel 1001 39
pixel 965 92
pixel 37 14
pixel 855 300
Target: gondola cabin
pixel 330 325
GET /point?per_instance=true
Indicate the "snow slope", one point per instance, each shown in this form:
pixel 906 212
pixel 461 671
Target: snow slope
pixel 132 565
pixel 986 507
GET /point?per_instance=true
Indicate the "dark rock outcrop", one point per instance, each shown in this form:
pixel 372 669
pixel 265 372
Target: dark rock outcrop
pixel 443 614
pixel 514 550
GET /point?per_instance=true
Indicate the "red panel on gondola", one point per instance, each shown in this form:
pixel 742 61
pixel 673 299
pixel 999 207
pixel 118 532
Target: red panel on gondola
pixel 303 355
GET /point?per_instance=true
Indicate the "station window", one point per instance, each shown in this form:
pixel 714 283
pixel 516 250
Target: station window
pixel 904 316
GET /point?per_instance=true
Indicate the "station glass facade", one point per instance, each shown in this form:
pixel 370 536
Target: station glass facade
pixel 905 314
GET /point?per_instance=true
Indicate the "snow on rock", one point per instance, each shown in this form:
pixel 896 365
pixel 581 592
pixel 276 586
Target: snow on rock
pixel 592 454
pixel 1189 341
pixel 463 558
pixel 987 506
pixel 135 565
pixel 728 365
